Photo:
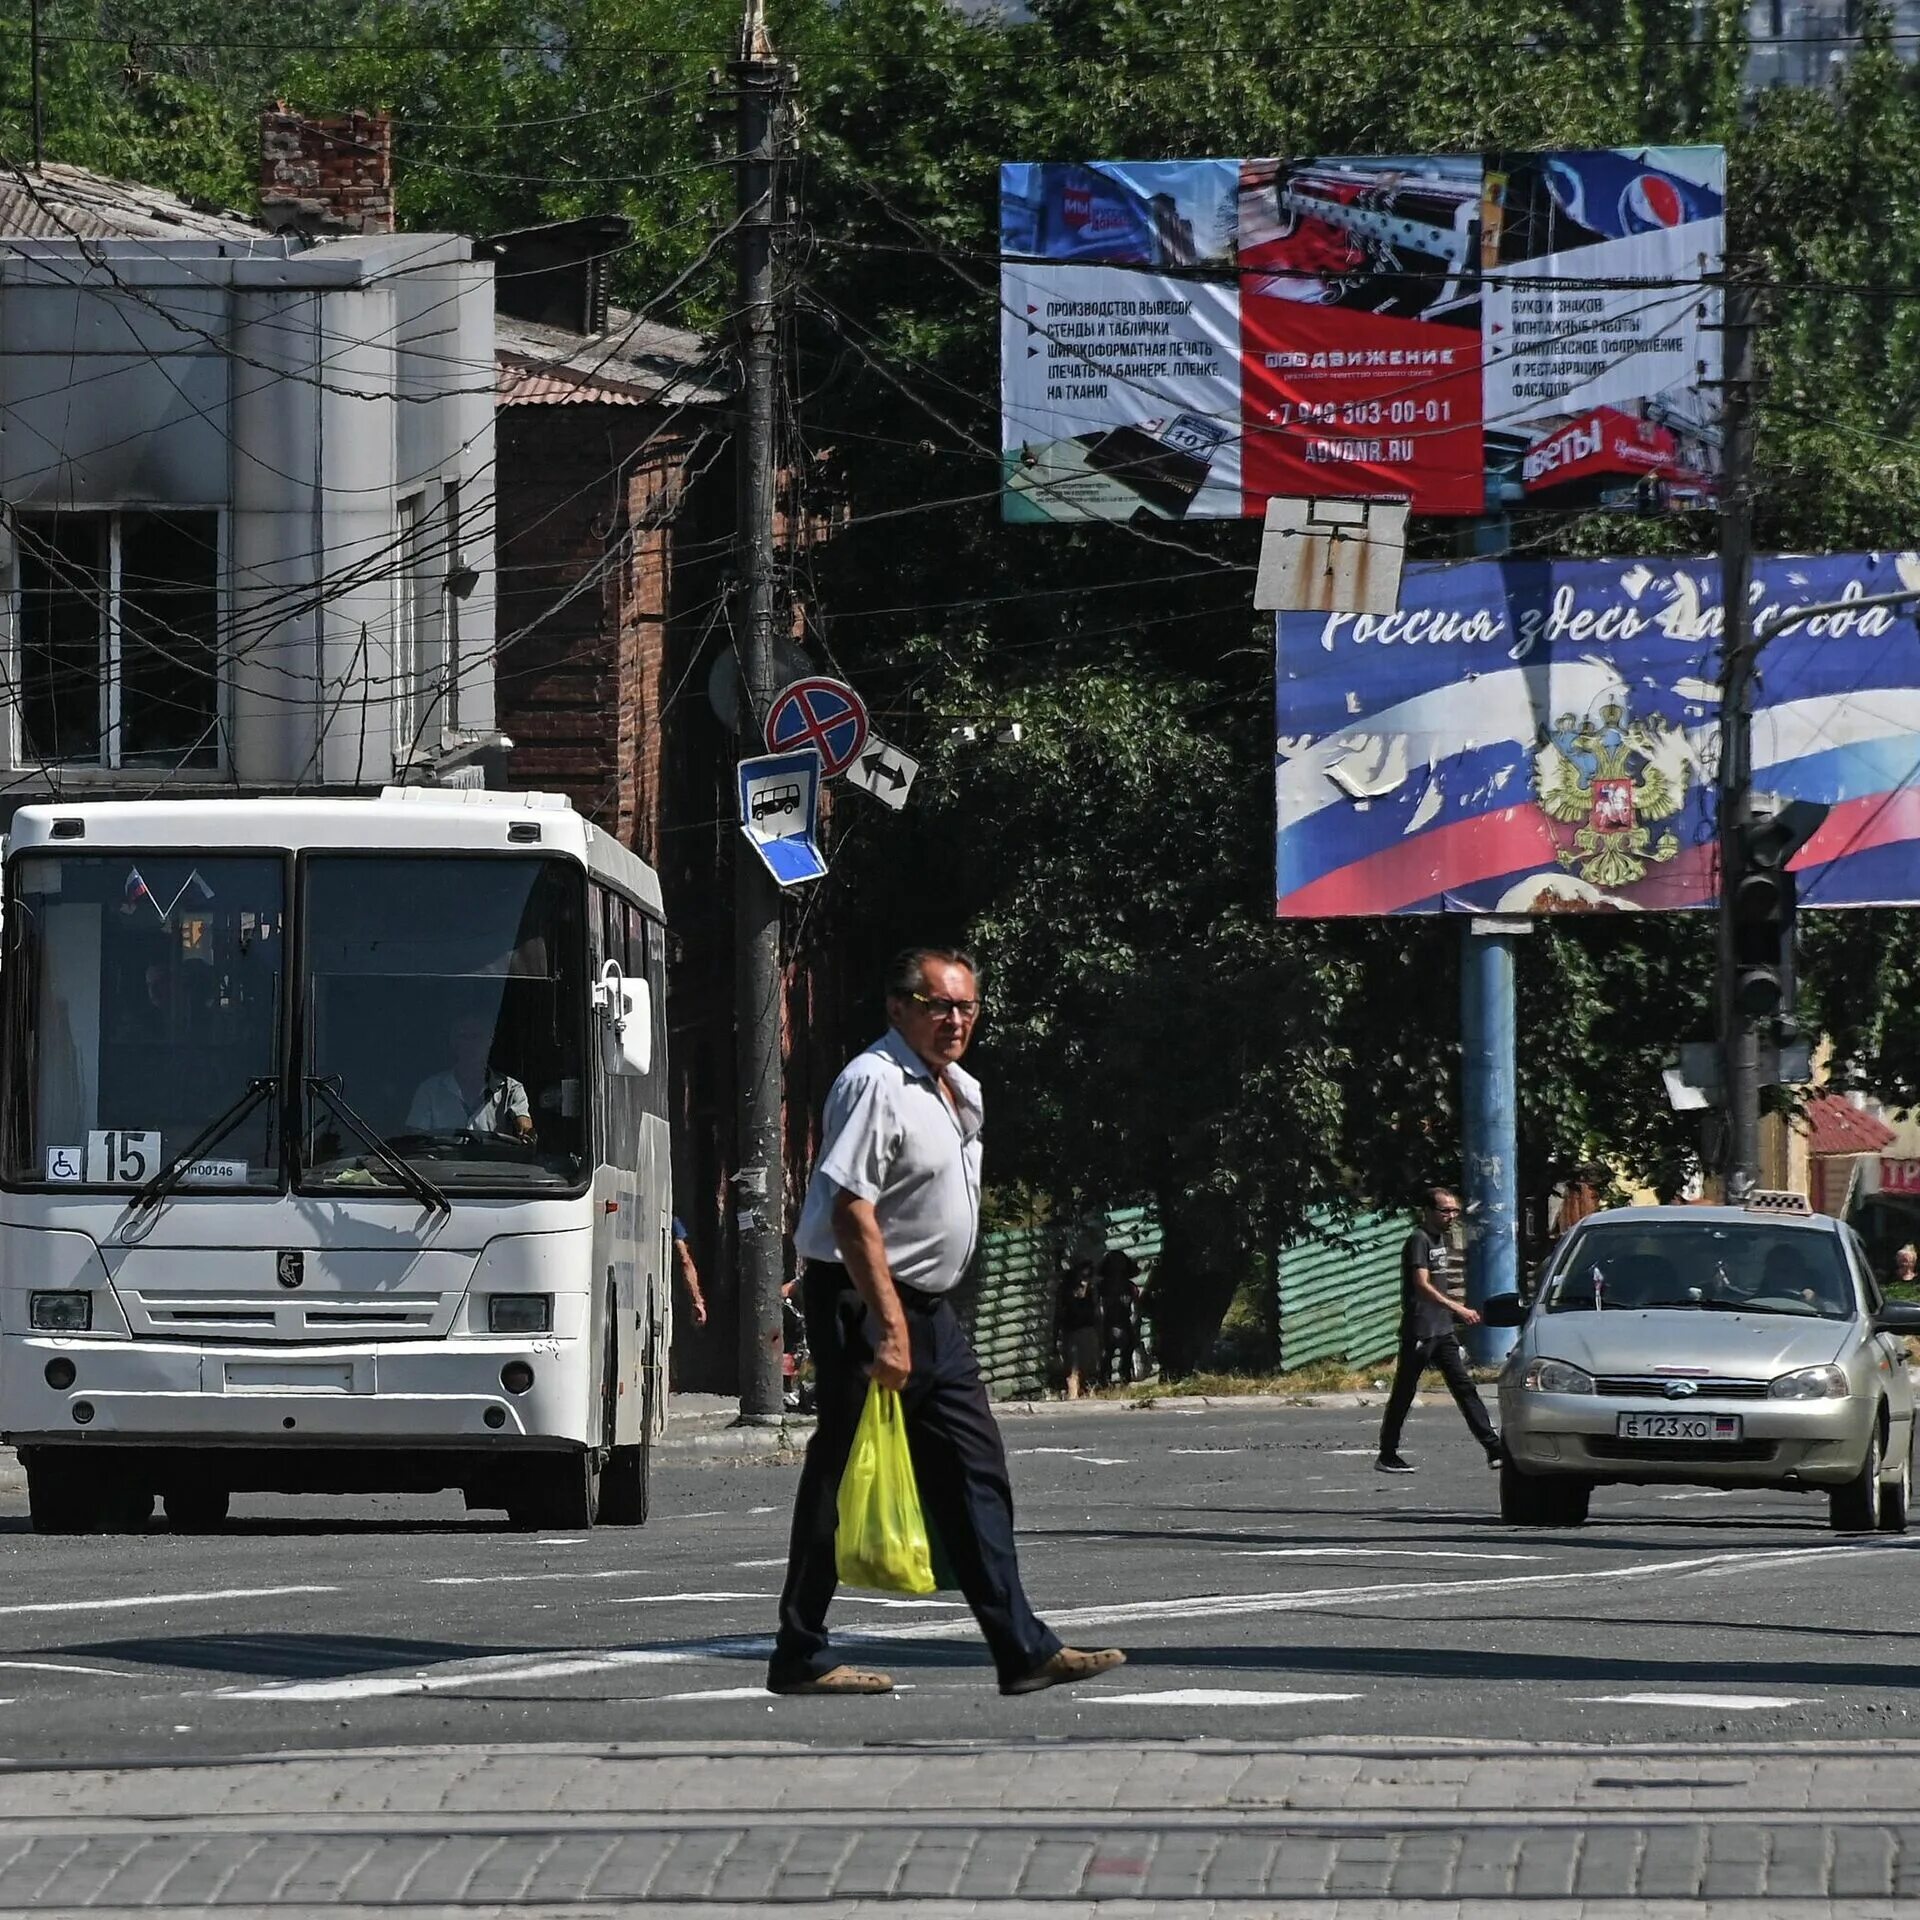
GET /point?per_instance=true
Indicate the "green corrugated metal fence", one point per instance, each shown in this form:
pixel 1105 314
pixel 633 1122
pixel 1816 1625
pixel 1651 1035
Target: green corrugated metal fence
pixel 1008 1301
pixel 1340 1298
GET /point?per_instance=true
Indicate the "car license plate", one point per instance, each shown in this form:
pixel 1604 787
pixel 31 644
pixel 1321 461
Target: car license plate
pixel 1705 1427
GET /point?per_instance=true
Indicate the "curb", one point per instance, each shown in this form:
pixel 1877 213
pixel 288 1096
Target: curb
pixel 790 1437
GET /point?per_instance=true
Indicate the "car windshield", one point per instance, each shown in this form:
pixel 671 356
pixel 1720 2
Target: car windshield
pixel 143 997
pixel 445 1023
pixel 1727 1266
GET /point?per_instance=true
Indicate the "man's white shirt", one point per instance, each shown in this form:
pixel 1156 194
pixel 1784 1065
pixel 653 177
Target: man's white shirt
pixel 439 1106
pixel 890 1136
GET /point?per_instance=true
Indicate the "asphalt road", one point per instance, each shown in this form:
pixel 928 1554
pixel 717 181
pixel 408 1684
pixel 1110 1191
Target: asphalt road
pixel 1267 1584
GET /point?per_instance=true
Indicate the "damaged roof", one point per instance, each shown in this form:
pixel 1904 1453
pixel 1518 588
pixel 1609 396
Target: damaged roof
pixel 635 363
pixel 65 203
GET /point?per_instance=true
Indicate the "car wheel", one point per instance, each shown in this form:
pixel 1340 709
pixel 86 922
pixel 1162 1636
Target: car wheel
pixel 1855 1508
pixel 1529 1500
pixel 1896 1495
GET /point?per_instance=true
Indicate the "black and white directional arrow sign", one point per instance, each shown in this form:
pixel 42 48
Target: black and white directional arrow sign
pixel 884 771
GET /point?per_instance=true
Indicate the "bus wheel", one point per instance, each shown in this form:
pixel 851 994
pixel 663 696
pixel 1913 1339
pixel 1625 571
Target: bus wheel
pixel 196 1509
pixel 626 1488
pixel 560 1491
pixel 79 1496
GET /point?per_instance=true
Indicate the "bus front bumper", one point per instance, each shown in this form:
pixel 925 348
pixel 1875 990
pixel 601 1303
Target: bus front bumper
pixel 377 1395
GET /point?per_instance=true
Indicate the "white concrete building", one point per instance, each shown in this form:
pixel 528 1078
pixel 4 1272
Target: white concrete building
pixel 246 510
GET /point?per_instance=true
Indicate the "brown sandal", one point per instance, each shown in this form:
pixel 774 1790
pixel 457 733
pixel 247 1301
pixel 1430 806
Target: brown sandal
pixel 835 1680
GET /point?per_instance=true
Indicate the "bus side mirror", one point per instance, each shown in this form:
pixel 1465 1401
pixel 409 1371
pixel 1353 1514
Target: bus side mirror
pixel 1897 1316
pixel 625 1008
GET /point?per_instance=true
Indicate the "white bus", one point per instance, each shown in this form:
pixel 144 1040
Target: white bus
pixel 333 1157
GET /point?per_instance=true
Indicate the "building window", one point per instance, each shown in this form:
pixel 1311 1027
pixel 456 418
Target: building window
pixel 117 656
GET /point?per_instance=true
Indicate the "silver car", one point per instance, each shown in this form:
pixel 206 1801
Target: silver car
pixel 1710 1346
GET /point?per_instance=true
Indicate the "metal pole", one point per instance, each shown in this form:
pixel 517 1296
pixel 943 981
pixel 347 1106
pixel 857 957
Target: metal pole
pixel 39 129
pixel 1739 1037
pixel 1491 1132
pixel 760 1179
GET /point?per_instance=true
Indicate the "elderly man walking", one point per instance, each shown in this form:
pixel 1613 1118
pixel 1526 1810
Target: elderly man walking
pixel 889 1226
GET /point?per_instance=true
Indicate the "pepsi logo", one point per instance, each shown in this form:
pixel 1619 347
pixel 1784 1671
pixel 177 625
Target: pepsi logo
pixel 1651 200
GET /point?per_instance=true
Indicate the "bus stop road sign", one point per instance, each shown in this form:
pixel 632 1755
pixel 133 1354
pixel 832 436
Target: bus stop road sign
pixel 780 814
pixel 884 771
pixel 826 715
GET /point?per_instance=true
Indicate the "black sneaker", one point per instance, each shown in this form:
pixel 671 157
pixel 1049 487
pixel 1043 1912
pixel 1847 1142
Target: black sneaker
pixel 1392 1463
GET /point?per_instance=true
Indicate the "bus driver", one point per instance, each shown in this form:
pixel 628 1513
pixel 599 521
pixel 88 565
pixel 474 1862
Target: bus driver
pixel 471 1096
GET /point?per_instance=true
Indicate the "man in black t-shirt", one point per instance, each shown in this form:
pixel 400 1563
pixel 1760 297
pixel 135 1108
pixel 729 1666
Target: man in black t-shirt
pixel 1431 1305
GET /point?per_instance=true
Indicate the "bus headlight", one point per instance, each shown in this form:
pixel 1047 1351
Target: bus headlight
pixel 61 1312
pixel 519 1313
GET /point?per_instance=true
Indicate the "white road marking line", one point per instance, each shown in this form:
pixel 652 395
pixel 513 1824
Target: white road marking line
pixel 708 1693
pixel 779 1560
pixel 1077 1453
pixel 888 1600
pixel 1371 1553
pixel 1699 1493
pixel 1217 1605
pixel 561 1573
pixel 666 1599
pixel 98 1605
pixel 754 1510
pixel 577 1540
pixel 501 1669
pixel 1350 1453
pixel 1214 1697
pixel 1732 1702
pixel 1206 1449
pixel 66 1666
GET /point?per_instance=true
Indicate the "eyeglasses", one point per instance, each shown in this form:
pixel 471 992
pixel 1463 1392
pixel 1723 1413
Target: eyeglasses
pixel 940 1006
pixel 1448 1213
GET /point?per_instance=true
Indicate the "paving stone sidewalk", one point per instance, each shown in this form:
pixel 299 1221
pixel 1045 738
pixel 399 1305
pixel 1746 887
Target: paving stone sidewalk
pixel 1333 1831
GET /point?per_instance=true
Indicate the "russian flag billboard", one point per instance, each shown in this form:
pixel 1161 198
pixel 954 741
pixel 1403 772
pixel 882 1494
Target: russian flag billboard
pixel 1541 736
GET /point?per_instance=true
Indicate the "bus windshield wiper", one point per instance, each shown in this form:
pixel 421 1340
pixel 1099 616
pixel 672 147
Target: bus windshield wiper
pixel 216 1130
pixel 327 1087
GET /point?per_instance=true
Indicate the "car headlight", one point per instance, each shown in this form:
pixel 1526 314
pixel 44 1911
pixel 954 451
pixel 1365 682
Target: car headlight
pixel 61 1312
pixel 520 1313
pixel 1811 1383
pixel 1556 1376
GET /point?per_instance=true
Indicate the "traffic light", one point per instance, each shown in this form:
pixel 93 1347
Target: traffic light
pixel 1763 900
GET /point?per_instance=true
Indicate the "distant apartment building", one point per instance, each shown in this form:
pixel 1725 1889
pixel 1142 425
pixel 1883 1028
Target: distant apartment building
pixel 1807 43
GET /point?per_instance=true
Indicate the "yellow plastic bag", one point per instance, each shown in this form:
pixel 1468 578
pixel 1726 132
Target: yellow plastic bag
pixel 881 1540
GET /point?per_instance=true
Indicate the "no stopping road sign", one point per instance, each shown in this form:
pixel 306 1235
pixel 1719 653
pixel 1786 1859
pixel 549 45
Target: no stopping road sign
pixel 826 715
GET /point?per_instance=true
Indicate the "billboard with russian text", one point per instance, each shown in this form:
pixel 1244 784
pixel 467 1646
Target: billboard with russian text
pixel 1541 737
pixel 1186 339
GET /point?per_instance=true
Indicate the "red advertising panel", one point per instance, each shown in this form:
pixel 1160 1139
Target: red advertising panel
pixel 1356 404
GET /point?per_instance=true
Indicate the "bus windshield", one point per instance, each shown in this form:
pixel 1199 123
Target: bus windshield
pixel 143 997
pixel 444 1018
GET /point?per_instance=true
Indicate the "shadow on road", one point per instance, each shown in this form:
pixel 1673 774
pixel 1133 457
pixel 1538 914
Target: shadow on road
pixel 285 1656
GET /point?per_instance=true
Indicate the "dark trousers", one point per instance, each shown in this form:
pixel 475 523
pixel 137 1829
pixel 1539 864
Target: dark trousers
pixel 958 1461
pixel 1416 1356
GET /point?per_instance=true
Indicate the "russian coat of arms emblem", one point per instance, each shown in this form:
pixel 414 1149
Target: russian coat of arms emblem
pixel 1607 779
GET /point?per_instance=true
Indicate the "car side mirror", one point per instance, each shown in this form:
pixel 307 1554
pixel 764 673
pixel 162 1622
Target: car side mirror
pixel 1898 1316
pixel 1503 1310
